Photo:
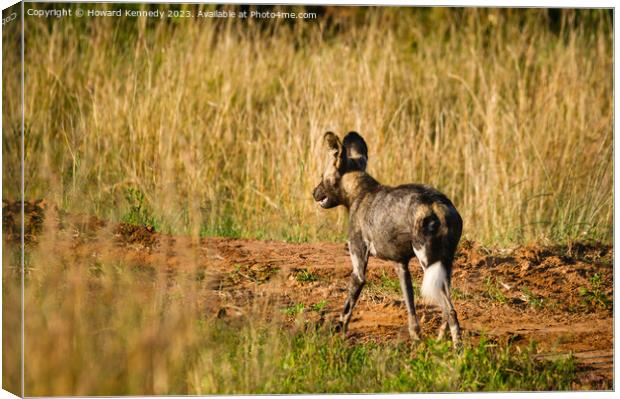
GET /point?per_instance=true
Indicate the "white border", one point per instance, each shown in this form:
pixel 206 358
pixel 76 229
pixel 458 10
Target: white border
pixel 453 3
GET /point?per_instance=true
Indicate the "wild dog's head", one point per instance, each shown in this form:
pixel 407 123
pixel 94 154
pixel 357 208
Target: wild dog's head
pixel 341 157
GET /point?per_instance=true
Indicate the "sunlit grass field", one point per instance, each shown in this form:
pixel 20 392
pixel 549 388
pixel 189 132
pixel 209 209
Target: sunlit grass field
pixel 212 127
pixel 216 124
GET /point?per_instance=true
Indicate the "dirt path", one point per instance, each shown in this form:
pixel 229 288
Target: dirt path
pixel 559 297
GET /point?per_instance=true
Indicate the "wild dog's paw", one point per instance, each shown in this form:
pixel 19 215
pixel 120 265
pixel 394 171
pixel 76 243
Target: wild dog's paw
pixel 415 333
pixel 338 326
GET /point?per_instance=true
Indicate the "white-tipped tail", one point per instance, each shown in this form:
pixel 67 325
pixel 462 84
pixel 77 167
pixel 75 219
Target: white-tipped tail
pixel 435 277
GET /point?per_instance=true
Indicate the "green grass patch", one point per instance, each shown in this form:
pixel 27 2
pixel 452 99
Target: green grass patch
pixel 317 361
pixel 493 291
pixel 457 294
pixel 294 310
pixel 317 307
pixel 298 308
pixel 594 296
pixel 532 299
pixel 139 212
pixel 305 276
pixel 385 286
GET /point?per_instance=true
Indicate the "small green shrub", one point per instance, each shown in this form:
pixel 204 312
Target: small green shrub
pixel 317 307
pixel 139 212
pixel 493 290
pixel 594 297
pixel 294 310
pixel 306 276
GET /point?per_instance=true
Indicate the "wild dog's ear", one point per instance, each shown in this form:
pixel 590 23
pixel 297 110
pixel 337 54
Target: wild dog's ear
pixel 332 142
pixel 356 151
pixel 333 145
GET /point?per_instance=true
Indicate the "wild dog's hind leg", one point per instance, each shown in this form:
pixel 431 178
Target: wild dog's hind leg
pixel 448 317
pixel 436 287
pixel 359 260
pixel 402 269
pixel 450 314
pixel 444 325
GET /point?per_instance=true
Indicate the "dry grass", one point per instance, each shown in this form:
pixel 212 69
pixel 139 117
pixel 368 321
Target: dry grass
pixel 218 123
pixel 204 127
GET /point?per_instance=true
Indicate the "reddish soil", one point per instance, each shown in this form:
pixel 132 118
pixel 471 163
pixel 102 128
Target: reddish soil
pixel 560 297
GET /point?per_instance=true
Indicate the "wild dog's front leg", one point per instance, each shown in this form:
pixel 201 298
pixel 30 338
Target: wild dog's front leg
pixel 359 260
pixel 402 269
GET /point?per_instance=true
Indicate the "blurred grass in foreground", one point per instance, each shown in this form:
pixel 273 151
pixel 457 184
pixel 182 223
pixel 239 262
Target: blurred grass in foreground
pixel 214 126
pixel 98 323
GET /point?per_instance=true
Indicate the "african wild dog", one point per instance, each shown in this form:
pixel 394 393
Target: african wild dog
pixel 392 223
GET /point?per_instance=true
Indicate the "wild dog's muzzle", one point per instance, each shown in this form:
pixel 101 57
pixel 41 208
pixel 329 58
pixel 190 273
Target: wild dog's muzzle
pixel 320 196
